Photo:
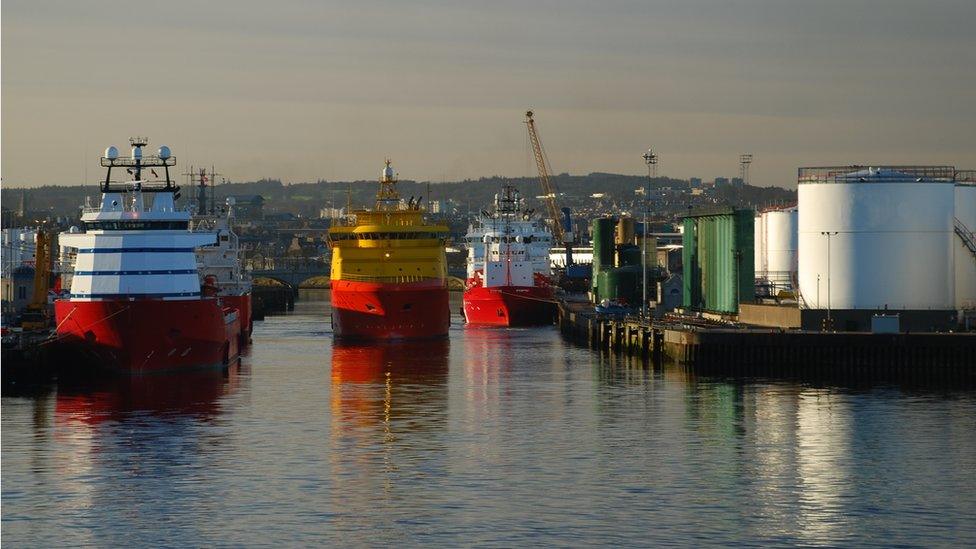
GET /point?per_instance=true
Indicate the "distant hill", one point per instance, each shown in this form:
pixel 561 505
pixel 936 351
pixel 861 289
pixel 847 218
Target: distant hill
pixel 306 199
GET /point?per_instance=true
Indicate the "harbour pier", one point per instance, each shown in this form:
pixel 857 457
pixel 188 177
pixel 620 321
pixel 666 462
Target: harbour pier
pixel 715 349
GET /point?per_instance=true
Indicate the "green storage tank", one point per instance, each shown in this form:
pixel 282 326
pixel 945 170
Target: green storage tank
pixel 603 248
pixel 621 284
pixel 718 260
pixel 691 272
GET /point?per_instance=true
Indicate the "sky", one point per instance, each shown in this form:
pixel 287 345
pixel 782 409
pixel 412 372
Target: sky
pixel 308 90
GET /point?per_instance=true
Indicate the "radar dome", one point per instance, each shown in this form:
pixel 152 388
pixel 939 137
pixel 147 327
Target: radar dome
pixel 164 152
pixel 388 173
pixel 111 153
pixel 136 152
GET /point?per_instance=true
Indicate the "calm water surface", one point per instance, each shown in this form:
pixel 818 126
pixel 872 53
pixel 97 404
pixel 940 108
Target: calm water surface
pixel 504 437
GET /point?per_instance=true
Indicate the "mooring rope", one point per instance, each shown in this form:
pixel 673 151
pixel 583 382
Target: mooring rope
pixel 58 338
pixel 530 297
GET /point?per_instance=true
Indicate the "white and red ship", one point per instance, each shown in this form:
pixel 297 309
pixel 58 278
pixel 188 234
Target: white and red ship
pixel 509 279
pixel 222 262
pixel 136 303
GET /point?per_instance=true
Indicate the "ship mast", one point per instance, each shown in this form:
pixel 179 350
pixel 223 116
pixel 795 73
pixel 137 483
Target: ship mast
pixel 135 164
pixel 388 198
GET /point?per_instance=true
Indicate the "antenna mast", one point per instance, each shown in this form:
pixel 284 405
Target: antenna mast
pixel 213 185
pixel 388 198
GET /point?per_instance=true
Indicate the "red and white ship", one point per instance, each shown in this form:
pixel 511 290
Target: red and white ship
pixel 509 277
pixel 223 262
pixel 136 303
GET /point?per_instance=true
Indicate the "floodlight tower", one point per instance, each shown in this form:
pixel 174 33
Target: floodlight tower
pixel 651 160
pixel 744 161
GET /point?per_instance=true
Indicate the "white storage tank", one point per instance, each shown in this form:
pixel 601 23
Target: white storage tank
pixel 886 234
pixel 965 258
pixel 777 239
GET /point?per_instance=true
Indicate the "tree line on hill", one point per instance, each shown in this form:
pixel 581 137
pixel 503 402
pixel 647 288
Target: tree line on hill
pixel 471 195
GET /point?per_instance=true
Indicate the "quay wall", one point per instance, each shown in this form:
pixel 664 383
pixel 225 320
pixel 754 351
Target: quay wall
pixel 777 352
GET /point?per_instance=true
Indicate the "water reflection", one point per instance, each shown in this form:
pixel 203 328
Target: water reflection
pixel 118 398
pixel 488 360
pixel 823 443
pixel 388 422
pixel 119 454
pixel 379 384
pixel 503 437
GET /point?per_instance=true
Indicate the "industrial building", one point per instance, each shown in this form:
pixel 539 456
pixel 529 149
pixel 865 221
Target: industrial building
pixel 718 251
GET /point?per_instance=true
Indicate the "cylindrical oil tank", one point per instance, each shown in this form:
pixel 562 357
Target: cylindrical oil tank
pixel 603 248
pixel 876 237
pixel 620 284
pixel 965 258
pixel 625 231
pixel 758 253
pixel 779 242
pixel 629 256
pixel 650 244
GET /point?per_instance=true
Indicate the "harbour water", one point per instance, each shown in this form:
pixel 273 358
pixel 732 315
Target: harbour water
pixel 505 437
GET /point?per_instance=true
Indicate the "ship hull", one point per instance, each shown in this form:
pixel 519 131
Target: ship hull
pixel 242 303
pixel 509 306
pixel 369 310
pixel 146 336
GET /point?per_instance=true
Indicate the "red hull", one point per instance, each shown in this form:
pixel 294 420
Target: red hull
pixel 243 305
pixel 509 305
pixel 367 310
pixel 150 335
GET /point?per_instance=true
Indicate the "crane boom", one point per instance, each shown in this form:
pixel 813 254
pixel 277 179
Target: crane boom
pixel 548 188
pixel 35 316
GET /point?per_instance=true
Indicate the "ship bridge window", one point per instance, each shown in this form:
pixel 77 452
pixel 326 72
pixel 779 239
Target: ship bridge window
pixel 391 236
pixel 127 225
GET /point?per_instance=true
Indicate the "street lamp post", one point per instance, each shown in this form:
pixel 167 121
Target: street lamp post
pixel 828 234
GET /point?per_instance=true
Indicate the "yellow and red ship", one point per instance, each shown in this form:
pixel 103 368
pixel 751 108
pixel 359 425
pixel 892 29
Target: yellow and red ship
pixel 389 271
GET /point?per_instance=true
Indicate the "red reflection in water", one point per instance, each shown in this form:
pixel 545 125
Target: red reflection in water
pixel 405 362
pixel 376 383
pixel 116 397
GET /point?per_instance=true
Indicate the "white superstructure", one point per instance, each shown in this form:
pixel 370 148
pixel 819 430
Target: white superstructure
pixel 875 238
pixel 136 243
pixel 516 244
pixel 221 261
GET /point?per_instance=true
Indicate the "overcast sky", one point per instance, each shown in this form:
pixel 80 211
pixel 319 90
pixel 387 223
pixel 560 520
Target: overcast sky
pixel 302 90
